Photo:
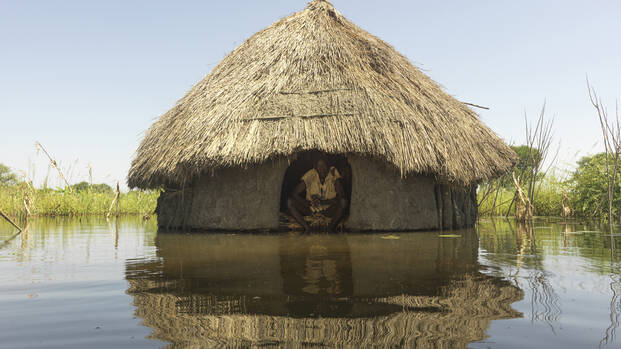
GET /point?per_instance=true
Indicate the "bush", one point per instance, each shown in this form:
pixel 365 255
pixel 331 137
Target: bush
pixel 96 188
pixel 590 188
pixel 7 177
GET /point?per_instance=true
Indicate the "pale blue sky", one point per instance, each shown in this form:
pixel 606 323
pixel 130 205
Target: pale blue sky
pixel 87 78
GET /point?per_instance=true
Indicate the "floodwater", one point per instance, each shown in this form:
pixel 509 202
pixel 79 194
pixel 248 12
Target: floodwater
pixel 92 283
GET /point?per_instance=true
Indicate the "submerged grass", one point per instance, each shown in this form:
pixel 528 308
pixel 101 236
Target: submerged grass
pixel 17 200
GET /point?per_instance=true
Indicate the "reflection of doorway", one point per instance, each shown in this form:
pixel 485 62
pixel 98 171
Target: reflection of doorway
pixel 305 162
pixel 317 275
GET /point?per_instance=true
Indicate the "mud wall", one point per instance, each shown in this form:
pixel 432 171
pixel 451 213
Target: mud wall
pixel 381 200
pixel 230 199
pixel 457 207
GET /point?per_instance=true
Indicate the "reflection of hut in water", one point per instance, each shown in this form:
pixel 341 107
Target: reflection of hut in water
pixel 419 291
pixel 315 83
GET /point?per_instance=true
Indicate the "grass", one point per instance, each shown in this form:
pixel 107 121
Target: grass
pixel 59 202
pixel 548 198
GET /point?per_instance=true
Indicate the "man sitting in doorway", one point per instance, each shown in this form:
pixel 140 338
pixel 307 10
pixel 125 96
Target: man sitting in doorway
pixel 324 194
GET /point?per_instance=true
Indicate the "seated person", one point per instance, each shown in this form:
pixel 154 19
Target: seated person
pixel 324 194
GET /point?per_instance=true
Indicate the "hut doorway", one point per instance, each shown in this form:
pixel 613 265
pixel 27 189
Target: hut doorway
pixel 306 161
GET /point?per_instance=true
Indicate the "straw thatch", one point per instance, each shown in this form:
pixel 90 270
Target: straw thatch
pixel 314 80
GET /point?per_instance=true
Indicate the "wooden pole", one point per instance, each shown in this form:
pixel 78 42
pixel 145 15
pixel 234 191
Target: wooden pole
pixel 10 221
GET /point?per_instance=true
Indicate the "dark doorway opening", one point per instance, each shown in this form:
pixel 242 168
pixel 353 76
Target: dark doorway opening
pixel 307 161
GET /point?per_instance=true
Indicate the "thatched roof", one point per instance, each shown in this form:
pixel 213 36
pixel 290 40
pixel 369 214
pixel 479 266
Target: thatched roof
pixel 315 80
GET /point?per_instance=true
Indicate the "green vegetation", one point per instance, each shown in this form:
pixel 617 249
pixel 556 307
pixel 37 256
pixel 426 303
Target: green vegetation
pixel 7 177
pixel 17 200
pixel 590 188
pixel 22 199
pixel 96 188
pixel 586 190
pixel 547 199
pixel 530 158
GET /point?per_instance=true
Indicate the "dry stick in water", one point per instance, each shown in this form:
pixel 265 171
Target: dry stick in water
pixel 110 208
pixel 523 207
pixel 26 197
pixel 27 206
pixel 10 221
pixel 611 133
pixel 54 164
pixel 118 198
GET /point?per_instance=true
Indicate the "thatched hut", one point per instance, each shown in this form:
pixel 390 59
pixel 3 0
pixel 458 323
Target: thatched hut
pixel 315 84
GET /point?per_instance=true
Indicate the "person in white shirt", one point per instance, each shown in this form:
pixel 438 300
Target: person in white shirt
pixel 324 194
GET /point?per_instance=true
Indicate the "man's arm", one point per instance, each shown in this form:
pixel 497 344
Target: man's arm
pixel 298 190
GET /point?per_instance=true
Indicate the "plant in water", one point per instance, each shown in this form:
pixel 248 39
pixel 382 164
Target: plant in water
pixel 611 133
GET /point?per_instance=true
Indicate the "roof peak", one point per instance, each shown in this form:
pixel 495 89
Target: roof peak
pixel 317 4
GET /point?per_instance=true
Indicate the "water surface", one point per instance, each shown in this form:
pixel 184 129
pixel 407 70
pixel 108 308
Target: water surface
pixel 97 283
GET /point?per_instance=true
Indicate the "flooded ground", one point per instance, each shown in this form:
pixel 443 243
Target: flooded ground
pixel 93 283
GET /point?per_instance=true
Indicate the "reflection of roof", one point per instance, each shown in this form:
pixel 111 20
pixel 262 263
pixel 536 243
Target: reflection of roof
pixel 315 80
pixel 466 311
pixel 349 290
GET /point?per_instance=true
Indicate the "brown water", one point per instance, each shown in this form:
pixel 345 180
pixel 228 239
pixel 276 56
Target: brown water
pixel 91 283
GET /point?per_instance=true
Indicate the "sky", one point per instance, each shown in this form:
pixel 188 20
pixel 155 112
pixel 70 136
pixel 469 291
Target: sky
pixel 87 78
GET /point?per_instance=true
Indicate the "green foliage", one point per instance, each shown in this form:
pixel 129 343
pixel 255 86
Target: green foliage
pixel 50 202
pixel 590 187
pixel 586 190
pixel 96 188
pixel 547 201
pixel 7 177
pixel 496 204
pixel 549 196
pixel 529 158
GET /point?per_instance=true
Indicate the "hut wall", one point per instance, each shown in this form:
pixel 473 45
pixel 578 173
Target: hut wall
pixel 249 199
pixel 173 207
pixel 457 206
pixel 383 200
pixel 230 199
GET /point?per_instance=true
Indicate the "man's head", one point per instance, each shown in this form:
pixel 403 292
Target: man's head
pixel 322 167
